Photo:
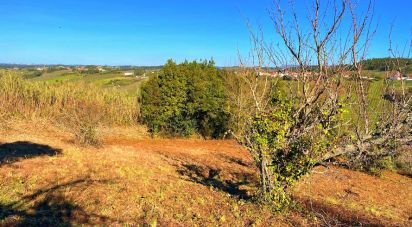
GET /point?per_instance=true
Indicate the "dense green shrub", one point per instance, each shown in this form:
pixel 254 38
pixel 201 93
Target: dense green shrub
pixel 185 99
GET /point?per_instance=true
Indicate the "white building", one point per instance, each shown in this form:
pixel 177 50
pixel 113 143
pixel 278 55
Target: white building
pixel 128 73
pixel 398 76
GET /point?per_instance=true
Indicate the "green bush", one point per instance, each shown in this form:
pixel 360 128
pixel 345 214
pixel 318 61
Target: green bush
pixel 283 158
pixel 185 99
pixel 376 167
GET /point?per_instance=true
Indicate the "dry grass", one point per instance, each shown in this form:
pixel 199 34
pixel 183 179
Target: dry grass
pixel 80 108
pixel 119 184
pixel 344 195
pixel 136 180
pixel 20 98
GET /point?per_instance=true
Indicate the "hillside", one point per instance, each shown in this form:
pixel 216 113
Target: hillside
pixel 382 64
pixel 45 179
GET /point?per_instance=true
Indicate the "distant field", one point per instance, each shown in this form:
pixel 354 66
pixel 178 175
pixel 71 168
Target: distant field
pixel 375 74
pixel 129 84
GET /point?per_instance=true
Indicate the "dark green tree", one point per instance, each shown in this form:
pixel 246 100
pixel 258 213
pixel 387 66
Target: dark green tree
pixel 185 99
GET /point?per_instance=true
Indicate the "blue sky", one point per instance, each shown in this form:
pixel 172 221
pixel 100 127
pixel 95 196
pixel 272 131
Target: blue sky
pixel 148 32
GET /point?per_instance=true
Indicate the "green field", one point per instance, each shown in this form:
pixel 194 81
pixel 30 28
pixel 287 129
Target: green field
pixel 129 84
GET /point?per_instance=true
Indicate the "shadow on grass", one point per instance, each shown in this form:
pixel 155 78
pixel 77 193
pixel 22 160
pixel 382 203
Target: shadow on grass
pixel 332 215
pixel 13 152
pixel 48 207
pixel 211 177
pixel 237 161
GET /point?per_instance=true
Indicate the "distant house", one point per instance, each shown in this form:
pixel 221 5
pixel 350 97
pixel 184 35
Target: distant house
pixel 141 76
pixel 398 76
pixel 395 76
pixel 264 74
pixel 128 73
pixel 81 69
pixel 101 69
pixel 366 78
pixel 281 74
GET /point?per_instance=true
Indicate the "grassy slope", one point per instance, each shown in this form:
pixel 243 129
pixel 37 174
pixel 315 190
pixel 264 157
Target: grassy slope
pixel 136 180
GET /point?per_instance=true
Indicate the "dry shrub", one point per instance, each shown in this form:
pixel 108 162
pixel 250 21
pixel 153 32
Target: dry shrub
pixel 84 121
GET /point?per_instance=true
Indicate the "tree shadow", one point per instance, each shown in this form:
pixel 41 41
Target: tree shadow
pixel 208 176
pixel 50 208
pixel 13 152
pixel 231 159
pixel 332 215
pixel 213 177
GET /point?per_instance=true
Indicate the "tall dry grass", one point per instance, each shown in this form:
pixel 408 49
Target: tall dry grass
pixel 78 106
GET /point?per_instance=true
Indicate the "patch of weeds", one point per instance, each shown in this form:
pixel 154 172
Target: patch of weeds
pixel 84 121
pixel 123 172
pixel 235 206
pixel 332 200
pixel 9 191
pixel 373 210
pixel 386 163
pixel 222 219
pixel 403 162
pixel 377 165
pixel 32 182
pixel 179 216
pixel 352 206
pixel 150 215
pixel 87 134
pixel 201 201
pixel 378 212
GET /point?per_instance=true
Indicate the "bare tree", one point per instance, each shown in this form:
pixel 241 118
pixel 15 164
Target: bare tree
pixel 393 128
pixel 301 126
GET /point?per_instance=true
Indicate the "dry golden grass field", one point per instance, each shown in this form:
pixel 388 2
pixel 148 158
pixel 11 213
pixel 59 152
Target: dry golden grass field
pixel 133 180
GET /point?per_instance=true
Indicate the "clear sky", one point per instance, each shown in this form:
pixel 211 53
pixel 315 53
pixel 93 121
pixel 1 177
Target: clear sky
pixel 148 32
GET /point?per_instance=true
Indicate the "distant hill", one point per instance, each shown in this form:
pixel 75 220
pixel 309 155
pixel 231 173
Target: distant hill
pixel 122 67
pixel 382 64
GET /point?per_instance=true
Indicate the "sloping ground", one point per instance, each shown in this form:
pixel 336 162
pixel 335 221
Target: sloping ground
pixel 46 180
pixel 357 198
